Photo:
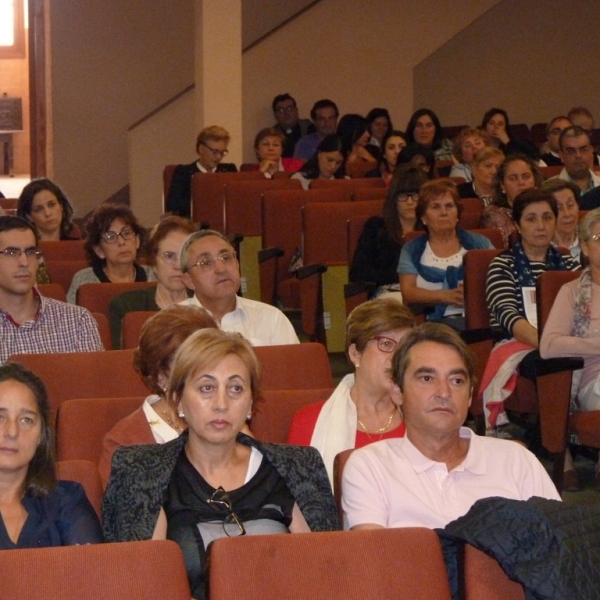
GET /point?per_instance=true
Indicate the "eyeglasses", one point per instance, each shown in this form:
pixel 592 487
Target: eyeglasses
pixel 170 258
pixel 414 196
pixel 208 263
pixel 286 109
pixel 385 344
pixel 220 499
pixel 574 151
pixel 110 237
pixel 30 253
pixel 216 152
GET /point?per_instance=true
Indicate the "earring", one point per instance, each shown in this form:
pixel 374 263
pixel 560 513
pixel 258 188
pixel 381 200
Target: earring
pixel 356 365
pixel 249 415
pixel 181 414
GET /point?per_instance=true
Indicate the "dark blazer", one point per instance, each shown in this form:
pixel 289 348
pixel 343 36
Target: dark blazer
pixel 140 475
pixel 179 199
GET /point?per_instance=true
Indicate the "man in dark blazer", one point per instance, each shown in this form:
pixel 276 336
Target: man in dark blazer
pixel 211 147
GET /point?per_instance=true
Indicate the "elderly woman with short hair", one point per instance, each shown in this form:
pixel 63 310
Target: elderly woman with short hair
pixel 466 144
pixel 431 266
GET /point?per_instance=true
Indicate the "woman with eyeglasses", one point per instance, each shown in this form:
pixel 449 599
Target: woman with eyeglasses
pixel 363 408
pixel 113 239
pixel 213 481
pixel 377 252
pixel 163 252
pixel 157 420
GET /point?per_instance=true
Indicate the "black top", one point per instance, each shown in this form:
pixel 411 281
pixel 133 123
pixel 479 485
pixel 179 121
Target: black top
pixel 64 517
pixel 551 160
pixel 376 256
pixel 193 522
pixel 590 200
pixel 179 199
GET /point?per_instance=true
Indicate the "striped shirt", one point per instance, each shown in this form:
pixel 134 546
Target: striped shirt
pixel 502 291
pixel 57 327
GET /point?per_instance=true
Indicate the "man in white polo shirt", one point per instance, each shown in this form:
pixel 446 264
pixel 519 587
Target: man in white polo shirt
pixel 210 268
pixel 439 469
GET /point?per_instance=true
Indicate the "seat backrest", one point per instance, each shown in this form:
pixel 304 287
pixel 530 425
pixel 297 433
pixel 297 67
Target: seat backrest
pixel 477 263
pixel 521 130
pixel 484 578
pixel 167 178
pixel 538 133
pixel 369 193
pixel 148 570
pixel 63 250
pixel 325 229
pixel 402 564
pixel 548 285
pixel 351 184
pixel 62 271
pixel 282 219
pixel 82 424
pixel 86 473
pixel 355 228
pixel 97 296
pixel 551 171
pixel 103 330
pixel 9 205
pixel 52 290
pixel 132 327
pixel 208 195
pixel 273 413
pixel 339 462
pixel 294 367
pixel 108 374
pixel 243 203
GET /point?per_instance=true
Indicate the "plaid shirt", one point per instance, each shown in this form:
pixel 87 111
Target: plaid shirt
pixel 57 327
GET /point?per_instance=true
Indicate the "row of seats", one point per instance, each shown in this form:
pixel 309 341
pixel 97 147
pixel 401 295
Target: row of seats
pixel 406 564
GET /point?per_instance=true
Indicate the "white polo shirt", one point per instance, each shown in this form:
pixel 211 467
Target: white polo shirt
pixel 261 324
pixel 392 484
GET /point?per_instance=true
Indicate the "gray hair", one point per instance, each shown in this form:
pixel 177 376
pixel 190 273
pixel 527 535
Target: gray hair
pixel 585 226
pixel 572 132
pixel 198 235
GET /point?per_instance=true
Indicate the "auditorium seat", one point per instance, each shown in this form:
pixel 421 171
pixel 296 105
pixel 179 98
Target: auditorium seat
pixel 86 473
pixel 404 564
pixel 148 570
pixel 82 423
pixel 273 412
pixel 107 374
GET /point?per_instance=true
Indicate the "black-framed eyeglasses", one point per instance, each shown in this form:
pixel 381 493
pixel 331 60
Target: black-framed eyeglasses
pixel 220 499
pixel 216 152
pixel 30 253
pixel 110 237
pixel 208 263
pixel 385 344
pixel 405 197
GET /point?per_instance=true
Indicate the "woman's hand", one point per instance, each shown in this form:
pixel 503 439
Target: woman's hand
pixel 456 296
pixel 501 135
pixel 269 166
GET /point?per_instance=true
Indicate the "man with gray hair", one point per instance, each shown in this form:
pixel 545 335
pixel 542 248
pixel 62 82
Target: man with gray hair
pixel 439 469
pixel 577 154
pixel 210 268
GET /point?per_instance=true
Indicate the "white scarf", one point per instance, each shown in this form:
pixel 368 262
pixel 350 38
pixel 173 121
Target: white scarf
pixel 335 429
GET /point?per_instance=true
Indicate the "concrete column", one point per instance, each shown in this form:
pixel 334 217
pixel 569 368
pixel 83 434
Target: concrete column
pixel 218 69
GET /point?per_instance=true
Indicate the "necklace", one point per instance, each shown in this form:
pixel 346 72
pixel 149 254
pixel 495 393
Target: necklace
pixel 168 418
pixel 381 429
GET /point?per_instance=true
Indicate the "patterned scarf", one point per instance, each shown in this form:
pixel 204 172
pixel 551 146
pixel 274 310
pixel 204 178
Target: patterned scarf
pixel 525 277
pixel 582 310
